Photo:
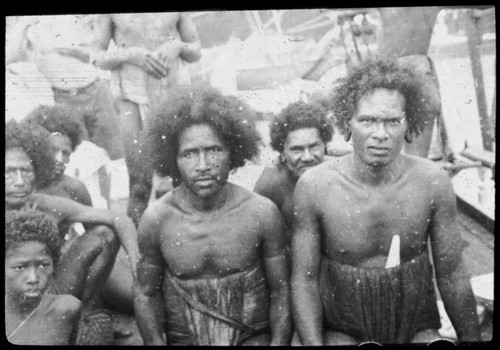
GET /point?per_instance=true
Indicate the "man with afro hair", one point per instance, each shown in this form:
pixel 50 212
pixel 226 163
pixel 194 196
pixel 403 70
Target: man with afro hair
pixel 212 250
pixel 65 134
pixel 300 134
pixel 33 316
pixel 364 226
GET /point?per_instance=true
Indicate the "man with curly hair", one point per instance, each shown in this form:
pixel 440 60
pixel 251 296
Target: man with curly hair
pixel 65 135
pixel 361 251
pixel 300 134
pixel 32 315
pixel 82 271
pixel 214 251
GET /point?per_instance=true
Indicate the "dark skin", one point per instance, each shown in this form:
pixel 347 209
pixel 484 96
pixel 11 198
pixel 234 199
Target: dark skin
pixel 86 266
pixel 210 229
pixel 376 184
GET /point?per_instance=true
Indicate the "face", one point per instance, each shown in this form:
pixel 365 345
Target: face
pixel 62 149
pixel 302 150
pixel 378 127
pixel 19 177
pixel 203 160
pixel 28 269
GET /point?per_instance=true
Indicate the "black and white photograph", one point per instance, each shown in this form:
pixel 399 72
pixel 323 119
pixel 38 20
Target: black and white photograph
pixel 261 177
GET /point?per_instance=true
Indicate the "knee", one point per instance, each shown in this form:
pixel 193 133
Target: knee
pixel 104 236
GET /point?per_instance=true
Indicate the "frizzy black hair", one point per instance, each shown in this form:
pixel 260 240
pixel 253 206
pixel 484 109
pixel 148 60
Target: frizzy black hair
pixel 35 141
pixel 299 115
pixel 58 118
pixel 31 225
pixel 231 119
pixel 387 74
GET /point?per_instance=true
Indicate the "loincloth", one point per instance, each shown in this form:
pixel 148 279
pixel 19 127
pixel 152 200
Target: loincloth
pixel 131 83
pixel 216 311
pixel 382 305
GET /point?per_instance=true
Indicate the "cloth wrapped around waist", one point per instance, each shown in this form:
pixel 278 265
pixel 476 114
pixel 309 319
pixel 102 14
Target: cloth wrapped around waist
pixel 377 304
pixel 216 311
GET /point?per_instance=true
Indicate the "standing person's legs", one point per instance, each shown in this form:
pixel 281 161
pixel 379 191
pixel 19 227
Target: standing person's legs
pixel 139 174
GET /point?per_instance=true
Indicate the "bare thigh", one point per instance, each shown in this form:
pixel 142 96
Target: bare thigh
pixel 426 336
pixel 118 290
pixel 335 338
pixel 258 340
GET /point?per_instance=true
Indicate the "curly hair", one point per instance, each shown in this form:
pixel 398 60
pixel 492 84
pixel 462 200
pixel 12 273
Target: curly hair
pixel 31 225
pixel 231 118
pixel 58 118
pixel 300 115
pixel 386 74
pixel 35 141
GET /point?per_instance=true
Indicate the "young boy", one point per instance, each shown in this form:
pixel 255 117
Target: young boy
pixel 32 316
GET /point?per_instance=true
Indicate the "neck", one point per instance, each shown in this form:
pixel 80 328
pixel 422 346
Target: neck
pixel 215 202
pixel 21 308
pixel 376 174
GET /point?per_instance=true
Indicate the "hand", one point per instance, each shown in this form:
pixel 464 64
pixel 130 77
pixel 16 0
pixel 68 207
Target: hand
pixel 144 59
pixel 168 52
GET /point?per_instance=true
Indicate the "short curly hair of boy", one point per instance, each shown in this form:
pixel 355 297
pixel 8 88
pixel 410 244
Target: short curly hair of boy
pixel 300 115
pixel 386 74
pixel 231 118
pixel 35 141
pixel 31 225
pixel 58 119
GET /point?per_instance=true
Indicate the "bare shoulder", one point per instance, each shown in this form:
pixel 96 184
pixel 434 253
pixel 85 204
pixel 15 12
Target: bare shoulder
pixel 66 305
pixel 160 209
pixel 321 174
pixel 426 171
pixel 253 202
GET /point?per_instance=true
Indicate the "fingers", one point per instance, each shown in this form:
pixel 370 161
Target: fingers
pixel 155 67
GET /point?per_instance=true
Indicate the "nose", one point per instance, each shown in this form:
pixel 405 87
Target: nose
pixel 59 157
pixel 380 132
pixel 203 163
pixel 19 179
pixel 307 155
pixel 32 275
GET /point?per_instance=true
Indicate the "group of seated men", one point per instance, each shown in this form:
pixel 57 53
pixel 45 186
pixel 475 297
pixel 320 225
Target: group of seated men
pixel 335 251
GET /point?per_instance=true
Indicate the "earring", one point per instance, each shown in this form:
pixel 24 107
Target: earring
pixel 347 135
pixel 408 137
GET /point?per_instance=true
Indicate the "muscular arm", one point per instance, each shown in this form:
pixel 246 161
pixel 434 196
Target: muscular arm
pixel 267 186
pixel 278 277
pixel 452 278
pixel 67 210
pixel 147 293
pixel 306 255
pixel 191 47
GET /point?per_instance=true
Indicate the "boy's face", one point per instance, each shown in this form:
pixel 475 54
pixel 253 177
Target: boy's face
pixel 28 269
pixel 62 149
pixel 303 149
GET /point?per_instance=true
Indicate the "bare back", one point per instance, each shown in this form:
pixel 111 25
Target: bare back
pixel 406 31
pixel 358 221
pixel 147 30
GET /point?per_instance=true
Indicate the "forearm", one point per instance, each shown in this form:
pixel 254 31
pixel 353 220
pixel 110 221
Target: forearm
pixel 127 234
pixel 280 317
pixel 460 305
pixel 307 311
pixel 148 320
pixel 110 60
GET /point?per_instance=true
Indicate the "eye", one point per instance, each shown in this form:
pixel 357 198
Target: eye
pixel 395 121
pixel 188 155
pixel 18 268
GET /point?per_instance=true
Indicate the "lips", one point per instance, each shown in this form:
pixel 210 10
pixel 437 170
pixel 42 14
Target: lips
pixel 18 194
pixel 379 149
pixel 205 181
pixel 32 293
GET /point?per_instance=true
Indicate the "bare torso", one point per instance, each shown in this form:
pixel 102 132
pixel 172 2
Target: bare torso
pixel 212 244
pixel 406 31
pixel 147 30
pixel 358 222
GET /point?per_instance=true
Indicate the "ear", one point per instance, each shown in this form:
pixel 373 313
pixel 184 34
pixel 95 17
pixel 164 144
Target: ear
pixel 408 136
